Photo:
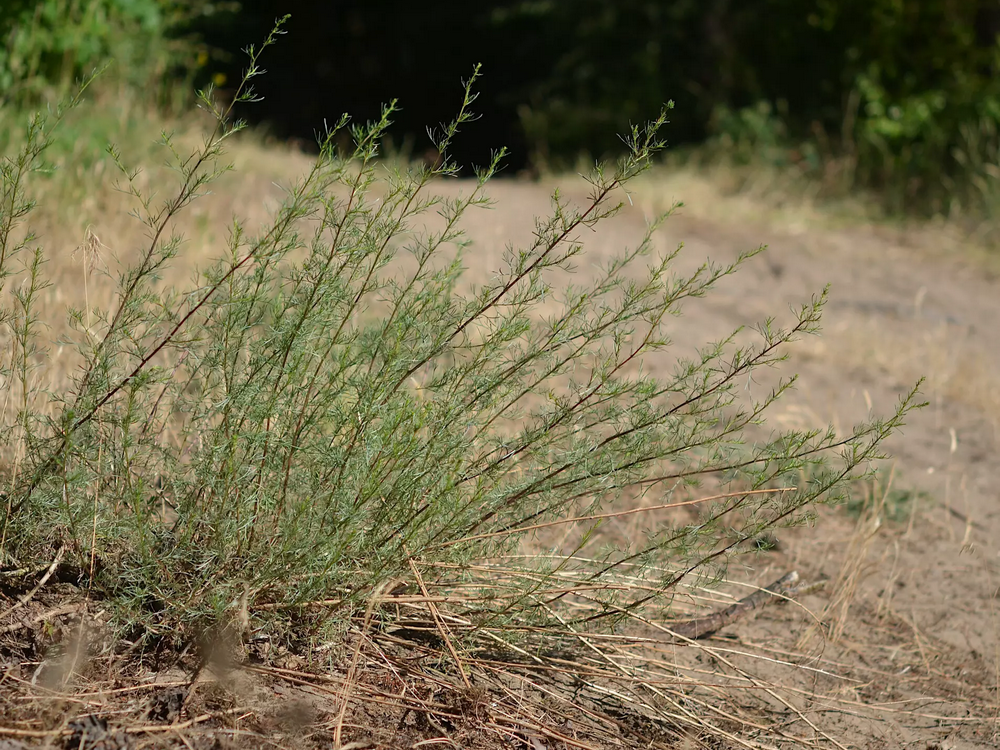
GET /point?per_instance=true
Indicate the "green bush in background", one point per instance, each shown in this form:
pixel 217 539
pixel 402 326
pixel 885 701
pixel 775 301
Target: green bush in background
pixel 49 44
pixel 901 98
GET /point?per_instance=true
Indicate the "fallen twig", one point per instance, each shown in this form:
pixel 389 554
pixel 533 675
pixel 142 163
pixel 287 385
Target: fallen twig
pixel 440 624
pixel 48 574
pixel 43 617
pixel 702 627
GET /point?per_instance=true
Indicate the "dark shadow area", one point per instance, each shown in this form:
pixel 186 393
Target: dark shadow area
pixel 354 55
pixel 902 98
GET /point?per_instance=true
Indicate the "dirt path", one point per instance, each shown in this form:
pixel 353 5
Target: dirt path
pixel 914 613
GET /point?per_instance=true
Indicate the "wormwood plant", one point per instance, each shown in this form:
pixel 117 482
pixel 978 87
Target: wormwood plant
pixel 330 411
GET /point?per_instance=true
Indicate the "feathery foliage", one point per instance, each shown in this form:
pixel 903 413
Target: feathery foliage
pixel 328 409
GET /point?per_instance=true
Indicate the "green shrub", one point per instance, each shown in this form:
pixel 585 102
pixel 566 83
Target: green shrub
pixel 751 135
pixel 50 44
pixel 328 409
pixel 901 99
pixel 934 149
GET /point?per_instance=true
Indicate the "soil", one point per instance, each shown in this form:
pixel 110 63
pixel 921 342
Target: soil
pixel 900 648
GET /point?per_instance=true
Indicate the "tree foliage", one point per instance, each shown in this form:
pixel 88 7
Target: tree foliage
pixel 902 97
pixel 908 92
pixel 50 44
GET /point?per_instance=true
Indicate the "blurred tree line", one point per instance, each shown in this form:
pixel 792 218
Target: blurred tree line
pixel 897 95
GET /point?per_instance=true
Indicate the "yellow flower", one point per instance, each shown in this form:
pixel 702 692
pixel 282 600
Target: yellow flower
pixel 219 79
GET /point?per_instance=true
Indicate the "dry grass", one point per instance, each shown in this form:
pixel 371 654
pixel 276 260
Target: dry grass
pixel 766 199
pixel 945 354
pixel 392 687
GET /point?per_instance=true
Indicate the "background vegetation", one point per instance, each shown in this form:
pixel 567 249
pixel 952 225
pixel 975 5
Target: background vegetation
pixel 901 98
pixel 50 44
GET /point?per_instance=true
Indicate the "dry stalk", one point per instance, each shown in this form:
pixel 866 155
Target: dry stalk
pixel 613 514
pixel 352 671
pixel 440 624
pixel 837 611
pixel 51 614
pixel 38 586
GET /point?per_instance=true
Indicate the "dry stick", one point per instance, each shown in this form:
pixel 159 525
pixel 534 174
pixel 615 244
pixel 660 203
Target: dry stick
pixel 48 574
pixel 200 719
pixel 440 624
pixel 616 514
pixel 93 537
pixel 42 733
pixel 777 586
pixel 57 695
pixel 271 606
pixel 700 627
pixel 22 572
pixel 349 681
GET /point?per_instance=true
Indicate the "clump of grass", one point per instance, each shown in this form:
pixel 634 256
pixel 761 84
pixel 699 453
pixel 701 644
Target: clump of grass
pixel 325 414
pixel 895 504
